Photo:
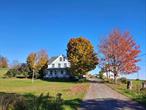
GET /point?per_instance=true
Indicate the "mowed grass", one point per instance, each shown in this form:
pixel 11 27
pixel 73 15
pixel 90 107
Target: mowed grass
pixel 72 92
pixel 135 94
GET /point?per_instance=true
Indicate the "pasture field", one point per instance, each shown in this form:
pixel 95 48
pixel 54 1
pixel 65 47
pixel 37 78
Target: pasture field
pixel 25 86
pixel 135 94
pixel 72 92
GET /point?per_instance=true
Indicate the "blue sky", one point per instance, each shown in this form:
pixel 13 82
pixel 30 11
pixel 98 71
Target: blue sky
pixel 29 25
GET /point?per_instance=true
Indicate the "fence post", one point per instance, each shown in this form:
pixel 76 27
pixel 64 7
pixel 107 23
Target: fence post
pixel 129 85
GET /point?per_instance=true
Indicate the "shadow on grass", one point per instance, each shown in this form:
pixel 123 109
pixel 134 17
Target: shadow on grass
pixel 73 104
pixel 68 80
pixel 45 102
pixel 60 80
pixel 141 99
pixel 73 80
pixel 29 101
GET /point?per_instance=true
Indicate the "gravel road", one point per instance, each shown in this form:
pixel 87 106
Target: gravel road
pixel 101 97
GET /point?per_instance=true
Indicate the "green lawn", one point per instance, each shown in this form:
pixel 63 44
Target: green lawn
pixel 24 86
pixel 72 92
pixel 134 94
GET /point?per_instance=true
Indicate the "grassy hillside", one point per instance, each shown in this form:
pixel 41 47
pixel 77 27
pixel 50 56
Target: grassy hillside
pixel 134 94
pixel 24 86
pixel 72 93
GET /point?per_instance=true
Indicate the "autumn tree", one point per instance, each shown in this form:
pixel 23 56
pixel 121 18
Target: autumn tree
pixel 3 62
pixel 37 61
pixel 105 68
pixel 81 55
pixel 120 52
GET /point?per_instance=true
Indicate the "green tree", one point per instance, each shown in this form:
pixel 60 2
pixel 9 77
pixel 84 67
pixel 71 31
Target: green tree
pixel 101 74
pixel 81 55
pixel 14 69
pixel 18 70
pixel 24 70
pixel 41 72
pixel 37 61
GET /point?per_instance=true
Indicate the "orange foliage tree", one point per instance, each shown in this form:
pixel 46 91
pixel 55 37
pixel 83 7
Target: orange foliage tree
pixel 3 62
pixel 120 52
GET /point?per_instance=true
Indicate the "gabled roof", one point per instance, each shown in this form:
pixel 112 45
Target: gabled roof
pixel 52 59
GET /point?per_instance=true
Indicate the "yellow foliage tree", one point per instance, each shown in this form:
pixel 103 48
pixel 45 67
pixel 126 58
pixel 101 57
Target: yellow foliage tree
pixel 81 55
pixel 37 61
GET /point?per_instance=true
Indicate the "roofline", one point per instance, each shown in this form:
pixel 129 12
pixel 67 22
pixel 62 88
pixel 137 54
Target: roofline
pixel 58 56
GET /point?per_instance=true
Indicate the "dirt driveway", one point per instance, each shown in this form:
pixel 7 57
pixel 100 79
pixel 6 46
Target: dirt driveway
pixel 101 97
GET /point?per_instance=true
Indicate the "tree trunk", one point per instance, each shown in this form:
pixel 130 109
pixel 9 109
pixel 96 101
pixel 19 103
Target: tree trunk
pixel 107 75
pixel 32 76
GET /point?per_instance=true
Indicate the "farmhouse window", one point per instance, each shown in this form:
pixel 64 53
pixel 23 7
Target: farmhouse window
pixel 60 58
pixel 53 65
pixel 59 65
pixel 65 64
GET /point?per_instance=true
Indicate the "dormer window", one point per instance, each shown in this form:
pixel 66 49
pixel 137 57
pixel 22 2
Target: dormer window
pixel 60 58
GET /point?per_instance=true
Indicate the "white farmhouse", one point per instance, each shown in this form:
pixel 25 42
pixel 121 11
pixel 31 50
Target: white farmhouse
pixel 110 75
pixel 58 67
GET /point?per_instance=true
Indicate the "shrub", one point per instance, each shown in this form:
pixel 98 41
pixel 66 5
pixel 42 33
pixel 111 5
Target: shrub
pixel 19 71
pixel 137 79
pixel 123 80
pixel 11 73
pixel 12 102
pixel 41 102
pixel 24 70
pixel 83 80
pixel 101 75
